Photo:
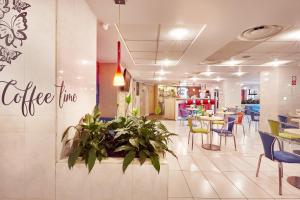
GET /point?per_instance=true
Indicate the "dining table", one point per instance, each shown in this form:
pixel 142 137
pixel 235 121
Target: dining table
pixel 293 180
pixel 210 119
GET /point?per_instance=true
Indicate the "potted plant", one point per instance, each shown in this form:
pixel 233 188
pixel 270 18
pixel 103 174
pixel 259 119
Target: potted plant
pixel 126 136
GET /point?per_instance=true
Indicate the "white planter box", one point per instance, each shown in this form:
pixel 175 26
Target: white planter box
pixel 108 182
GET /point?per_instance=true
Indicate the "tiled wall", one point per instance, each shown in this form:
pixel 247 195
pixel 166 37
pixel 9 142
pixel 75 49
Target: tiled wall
pixel 277 95
pixel 28 144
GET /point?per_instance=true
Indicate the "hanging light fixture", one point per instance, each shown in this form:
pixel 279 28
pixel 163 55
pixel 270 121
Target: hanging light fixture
pixel 119 78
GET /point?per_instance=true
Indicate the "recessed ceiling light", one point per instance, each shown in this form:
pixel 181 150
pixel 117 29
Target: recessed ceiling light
pixel 162 72
pixel 231 62
pixel 61 71
pixel 160 78
pixel 207 73
pixel 239 73
pixel 218 79
pixel 166 62
pixel 179 33
pixel 276 63
pixel 195 79
pixel 78 78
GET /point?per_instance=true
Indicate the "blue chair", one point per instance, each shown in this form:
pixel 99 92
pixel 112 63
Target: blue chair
pixel 280 156
pixel 284 122
pixel 184 114
pixel 226 131
pixel 255 119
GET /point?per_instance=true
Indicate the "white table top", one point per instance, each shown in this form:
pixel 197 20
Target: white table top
pixel 193 109
pixel 225 113
pixel 294 131
pixel 212 118
pixel 294 116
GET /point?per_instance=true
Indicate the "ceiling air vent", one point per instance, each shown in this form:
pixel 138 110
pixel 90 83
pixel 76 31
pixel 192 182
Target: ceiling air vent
pixel 260 33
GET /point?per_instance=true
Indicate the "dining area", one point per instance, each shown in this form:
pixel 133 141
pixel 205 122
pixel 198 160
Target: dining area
pixel 230 126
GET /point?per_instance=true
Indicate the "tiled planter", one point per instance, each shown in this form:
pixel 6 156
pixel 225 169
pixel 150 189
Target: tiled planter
pixel 108 182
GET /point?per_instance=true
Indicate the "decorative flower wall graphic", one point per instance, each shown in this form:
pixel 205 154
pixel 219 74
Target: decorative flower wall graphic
pixel 13 26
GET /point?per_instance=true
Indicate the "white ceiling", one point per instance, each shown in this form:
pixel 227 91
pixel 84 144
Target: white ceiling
pixel 224 21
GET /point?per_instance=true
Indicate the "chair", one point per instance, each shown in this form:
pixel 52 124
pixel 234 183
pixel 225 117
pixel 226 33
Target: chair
pixel 226 131
pixel 195 130
pixel 239 121
pixel 255 119
pixel 284 122
pixel 277 131
pixel 279 156
pixel 183 115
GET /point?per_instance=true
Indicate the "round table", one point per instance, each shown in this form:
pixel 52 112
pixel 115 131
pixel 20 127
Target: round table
pixel 293 180
pixel 211 119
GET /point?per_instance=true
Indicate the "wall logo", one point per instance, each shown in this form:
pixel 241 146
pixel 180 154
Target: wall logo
pixel 13 26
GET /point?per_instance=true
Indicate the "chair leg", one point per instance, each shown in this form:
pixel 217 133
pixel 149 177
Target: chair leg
pixel 236 129
pixel 189 137
pixel 249 124
pixel 192 141
pixel 202 138
pixel 280 177
pixel 258 165
pixel 244 130
pixel 225 140
pixel 234 142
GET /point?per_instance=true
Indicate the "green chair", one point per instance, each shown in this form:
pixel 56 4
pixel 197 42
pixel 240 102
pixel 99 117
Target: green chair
pixel 275 130
pixel 195 130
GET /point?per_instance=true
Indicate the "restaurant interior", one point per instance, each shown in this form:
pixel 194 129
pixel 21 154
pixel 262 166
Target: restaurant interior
pixel 149 100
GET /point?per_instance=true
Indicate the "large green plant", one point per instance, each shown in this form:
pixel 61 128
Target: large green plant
pixel 129 137
pixel 90 142
pixel 141 138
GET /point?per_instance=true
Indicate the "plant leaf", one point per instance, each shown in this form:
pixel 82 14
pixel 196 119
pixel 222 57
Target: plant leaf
pixel 128 159
pixel 128 99
pixel 123 148
pixel 92 159
pixel 134 142
pixel 155 162
pixel 142 157
pixel 73 157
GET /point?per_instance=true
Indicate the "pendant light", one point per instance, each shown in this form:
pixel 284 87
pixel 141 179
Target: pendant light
pixel 119 78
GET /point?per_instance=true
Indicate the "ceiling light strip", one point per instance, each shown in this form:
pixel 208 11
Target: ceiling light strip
pixel 123 41
pixel 157 39
pixel 190 45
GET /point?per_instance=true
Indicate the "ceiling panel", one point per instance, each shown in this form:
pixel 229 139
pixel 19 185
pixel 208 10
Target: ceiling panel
pixel 143 55
pixel 193 31
pixel 169 55
pixel 173 45
pixel 139 31
pixel 141 45
pixel 144 62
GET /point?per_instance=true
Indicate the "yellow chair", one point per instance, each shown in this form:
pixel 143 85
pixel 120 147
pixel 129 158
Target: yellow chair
pixel 195 130
pixel 275 130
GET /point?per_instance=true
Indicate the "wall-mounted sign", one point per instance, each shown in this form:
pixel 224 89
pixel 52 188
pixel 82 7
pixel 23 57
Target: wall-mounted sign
pixel 29 97
pixel 294 80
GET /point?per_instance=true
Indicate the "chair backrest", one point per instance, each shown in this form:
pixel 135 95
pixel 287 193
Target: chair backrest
pixel 230 124
pixel 254 116
pixel 239 118
pixel 274 126
pixel 268 143
pixel 190 123
pixel 283 119
pixel 183 112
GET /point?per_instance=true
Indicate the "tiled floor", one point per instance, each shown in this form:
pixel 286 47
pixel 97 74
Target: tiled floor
pixel 225 174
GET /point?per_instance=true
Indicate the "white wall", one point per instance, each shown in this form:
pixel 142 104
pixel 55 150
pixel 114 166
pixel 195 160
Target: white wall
pixel 231 93
pixel 28 144
pixel 277 96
